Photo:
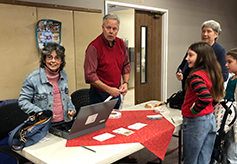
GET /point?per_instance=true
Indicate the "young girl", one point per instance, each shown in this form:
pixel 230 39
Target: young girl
pixel 204 84
pixel 230 148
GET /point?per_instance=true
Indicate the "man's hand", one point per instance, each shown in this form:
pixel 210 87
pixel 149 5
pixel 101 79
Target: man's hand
pixel 114 91
pixel 102 86
pixel 179 75
pixel 124 89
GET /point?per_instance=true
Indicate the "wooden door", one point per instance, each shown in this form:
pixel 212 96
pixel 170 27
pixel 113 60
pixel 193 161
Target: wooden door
pixel 148 28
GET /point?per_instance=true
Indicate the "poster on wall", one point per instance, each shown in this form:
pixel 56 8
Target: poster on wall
pixel 47 31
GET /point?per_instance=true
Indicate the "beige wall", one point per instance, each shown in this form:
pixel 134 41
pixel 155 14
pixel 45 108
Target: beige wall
pixel 126 30
pixel 184 21
pixel 19 51
pixel 87 27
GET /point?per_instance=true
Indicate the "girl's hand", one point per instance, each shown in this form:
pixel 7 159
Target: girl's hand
pixel 192 105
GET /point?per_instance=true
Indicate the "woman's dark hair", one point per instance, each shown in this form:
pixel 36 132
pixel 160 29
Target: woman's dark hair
pixel 48 49
pixel 206 59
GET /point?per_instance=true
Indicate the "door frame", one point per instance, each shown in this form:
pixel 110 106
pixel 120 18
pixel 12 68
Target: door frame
pixel 164 39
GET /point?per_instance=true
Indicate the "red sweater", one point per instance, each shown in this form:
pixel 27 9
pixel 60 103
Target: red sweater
pixel 111 61
pixel 199 91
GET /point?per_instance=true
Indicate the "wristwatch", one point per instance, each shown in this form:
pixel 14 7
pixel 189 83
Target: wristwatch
pixel 126 83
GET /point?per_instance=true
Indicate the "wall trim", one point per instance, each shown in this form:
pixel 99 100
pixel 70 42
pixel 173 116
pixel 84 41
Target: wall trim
pixel 52 6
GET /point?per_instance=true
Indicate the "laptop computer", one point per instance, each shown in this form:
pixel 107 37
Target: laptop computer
pixel 89 119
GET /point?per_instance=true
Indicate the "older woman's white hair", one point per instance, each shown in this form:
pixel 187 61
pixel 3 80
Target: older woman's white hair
pixel 214 25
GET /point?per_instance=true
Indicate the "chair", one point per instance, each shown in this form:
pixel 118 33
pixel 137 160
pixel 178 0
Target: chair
pixel 10 117
pixel 221 132
pixel 80 98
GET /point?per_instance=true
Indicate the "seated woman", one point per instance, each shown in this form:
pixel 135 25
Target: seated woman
pixel 47 86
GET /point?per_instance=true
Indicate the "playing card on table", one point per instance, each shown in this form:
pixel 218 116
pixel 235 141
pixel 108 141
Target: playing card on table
pixel 123 131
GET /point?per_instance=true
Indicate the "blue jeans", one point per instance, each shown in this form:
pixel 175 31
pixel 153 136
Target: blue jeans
pixel 97 97
pixel 199 135
pixel 230 149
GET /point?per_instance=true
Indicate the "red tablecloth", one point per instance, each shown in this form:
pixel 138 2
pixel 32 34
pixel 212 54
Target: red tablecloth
pixel 155 136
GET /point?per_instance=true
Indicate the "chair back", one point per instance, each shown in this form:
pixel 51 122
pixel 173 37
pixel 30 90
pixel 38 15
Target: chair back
pixel 80 98
pixel 11 116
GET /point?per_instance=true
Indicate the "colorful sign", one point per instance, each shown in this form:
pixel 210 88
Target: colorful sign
pixel 47 31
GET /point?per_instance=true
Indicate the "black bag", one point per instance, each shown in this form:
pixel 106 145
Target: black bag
pixel 176 100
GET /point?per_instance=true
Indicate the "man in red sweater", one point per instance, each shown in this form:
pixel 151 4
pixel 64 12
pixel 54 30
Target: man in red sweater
pixel 106 60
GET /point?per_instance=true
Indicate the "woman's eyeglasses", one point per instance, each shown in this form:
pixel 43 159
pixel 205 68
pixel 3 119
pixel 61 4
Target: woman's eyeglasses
pixel 50 57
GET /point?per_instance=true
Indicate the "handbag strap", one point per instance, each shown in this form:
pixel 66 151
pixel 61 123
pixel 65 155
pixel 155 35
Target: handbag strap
pixel 168 100
pixel 234 110
pixel 221 130
pixel 39 122
pixel 13 133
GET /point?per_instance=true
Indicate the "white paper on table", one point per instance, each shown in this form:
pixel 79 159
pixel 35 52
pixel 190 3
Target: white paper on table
pixel 44 139
pixel 137 126
pixel 103 137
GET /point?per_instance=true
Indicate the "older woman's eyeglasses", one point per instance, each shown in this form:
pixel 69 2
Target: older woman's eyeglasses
pixel 50 57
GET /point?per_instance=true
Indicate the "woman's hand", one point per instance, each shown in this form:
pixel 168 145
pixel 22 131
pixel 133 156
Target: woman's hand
pixel 71 113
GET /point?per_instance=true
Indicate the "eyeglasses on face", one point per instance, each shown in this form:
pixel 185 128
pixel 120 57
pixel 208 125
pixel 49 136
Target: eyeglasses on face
pixel 50 57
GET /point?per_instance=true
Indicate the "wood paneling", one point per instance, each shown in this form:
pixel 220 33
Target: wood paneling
pixel 151 89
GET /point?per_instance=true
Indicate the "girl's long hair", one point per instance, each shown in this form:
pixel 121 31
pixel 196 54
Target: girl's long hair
pixel 233 53
pixel 206 59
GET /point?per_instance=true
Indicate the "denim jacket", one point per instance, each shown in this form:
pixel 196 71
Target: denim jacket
pixel 37 93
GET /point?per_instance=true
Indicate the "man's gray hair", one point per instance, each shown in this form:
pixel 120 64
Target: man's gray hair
pixel 111 16
pixel 216 27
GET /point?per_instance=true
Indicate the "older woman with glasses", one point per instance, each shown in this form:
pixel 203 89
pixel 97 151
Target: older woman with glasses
pixel 47 86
